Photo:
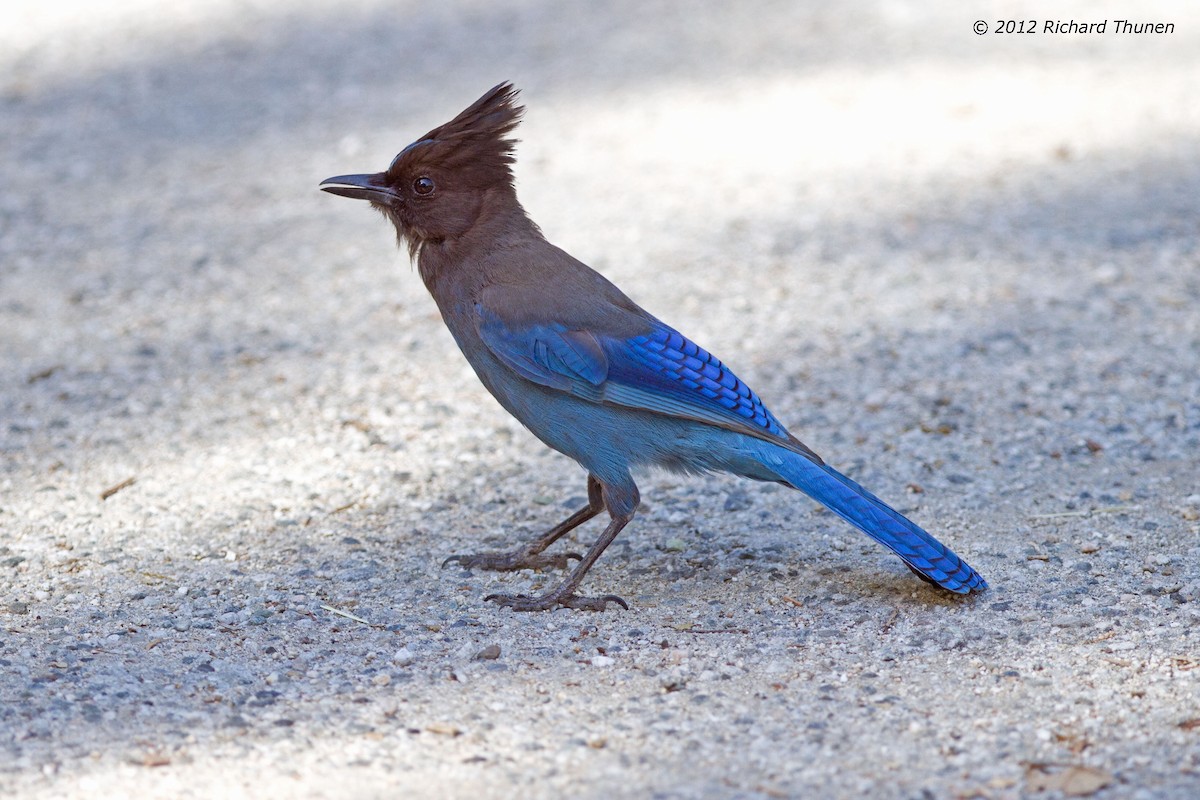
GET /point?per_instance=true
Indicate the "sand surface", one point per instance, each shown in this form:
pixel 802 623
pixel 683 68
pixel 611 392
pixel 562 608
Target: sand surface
pixel 965 269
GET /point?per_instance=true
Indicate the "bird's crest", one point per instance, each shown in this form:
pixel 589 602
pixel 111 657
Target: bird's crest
pixel 475 145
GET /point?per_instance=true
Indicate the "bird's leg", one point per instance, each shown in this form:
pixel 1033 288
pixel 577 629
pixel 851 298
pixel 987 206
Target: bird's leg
pixel 621 510
pixel 530 556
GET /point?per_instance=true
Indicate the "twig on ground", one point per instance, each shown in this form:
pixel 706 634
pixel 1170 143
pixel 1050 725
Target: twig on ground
pixel 110 491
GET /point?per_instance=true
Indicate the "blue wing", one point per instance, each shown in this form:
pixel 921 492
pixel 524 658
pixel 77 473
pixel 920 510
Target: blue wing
pixel 659 371
pixel 552 355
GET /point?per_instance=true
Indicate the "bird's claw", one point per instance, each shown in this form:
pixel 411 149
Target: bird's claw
pixel 513 560
pixel 545 602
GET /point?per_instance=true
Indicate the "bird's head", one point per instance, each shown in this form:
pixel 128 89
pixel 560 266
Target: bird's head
pixel 435 189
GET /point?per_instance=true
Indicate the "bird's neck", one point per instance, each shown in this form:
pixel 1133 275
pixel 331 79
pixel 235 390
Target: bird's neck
pixel 502 223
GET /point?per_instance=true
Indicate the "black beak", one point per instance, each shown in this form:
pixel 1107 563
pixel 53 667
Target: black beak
pixel 361 187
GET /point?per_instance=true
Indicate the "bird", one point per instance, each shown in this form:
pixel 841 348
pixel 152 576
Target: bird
pixel 585 368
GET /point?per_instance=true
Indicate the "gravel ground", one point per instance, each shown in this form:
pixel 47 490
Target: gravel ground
pixel 963 268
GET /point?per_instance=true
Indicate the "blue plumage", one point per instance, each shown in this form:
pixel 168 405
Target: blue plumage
pixel 663 372
pixel 678 366
pixel 660 371
pixel 923 554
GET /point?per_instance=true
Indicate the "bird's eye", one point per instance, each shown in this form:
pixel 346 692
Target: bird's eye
pixel 423 185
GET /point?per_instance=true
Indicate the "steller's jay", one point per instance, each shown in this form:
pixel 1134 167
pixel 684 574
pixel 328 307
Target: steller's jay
pixel 586 369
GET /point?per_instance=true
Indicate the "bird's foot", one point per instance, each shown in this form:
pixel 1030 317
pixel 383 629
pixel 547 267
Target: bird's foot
pixel 513 560
pixel 550 600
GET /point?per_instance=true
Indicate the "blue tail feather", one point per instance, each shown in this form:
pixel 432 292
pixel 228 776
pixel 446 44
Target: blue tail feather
pixel 923 554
